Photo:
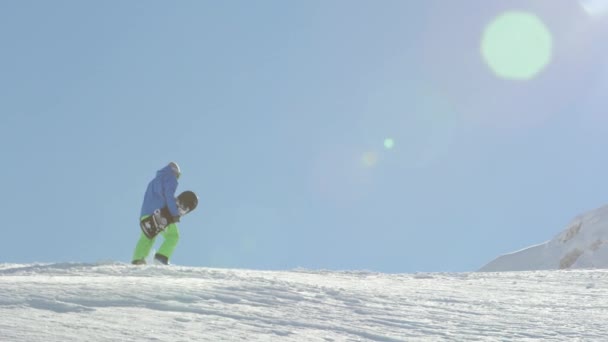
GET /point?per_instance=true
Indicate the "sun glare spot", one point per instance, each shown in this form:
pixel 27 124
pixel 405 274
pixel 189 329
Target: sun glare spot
pixel 389 143
pixel 369 159
pixel 516 45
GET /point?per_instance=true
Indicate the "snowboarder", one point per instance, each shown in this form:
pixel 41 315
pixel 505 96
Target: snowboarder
pixel 160 193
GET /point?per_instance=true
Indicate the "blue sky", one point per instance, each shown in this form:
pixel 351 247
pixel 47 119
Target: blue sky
pixel 278 112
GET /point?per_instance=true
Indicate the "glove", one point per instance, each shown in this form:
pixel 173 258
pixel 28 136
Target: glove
pixel 175 219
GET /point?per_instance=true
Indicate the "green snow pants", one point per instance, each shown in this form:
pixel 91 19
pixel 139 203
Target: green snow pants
pixel 144 245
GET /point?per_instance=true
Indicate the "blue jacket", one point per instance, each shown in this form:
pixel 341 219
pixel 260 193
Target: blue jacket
pixel 161 193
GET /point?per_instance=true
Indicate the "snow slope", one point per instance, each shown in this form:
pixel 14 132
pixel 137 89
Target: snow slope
pixel 119 302
pixel 583 244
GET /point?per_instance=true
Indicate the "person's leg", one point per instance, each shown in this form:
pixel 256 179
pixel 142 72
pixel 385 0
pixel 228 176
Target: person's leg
pixel 142 249
pixel 171 235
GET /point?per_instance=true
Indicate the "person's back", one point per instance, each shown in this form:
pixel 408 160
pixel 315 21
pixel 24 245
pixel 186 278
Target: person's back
pixel 161 191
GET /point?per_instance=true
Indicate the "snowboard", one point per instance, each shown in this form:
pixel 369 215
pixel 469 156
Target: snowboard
pixel 161 218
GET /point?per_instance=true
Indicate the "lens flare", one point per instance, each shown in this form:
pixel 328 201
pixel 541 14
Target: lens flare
pixel 389 143
pixel 517 45
pixel 369 159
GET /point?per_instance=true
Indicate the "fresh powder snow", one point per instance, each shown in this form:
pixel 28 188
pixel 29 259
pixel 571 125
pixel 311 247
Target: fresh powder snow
pixel 121 302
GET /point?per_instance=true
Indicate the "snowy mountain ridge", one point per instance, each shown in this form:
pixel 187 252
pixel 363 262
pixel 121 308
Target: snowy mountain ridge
pixel 121 302
pixel 582 244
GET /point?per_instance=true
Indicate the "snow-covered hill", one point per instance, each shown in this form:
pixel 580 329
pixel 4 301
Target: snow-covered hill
pixel 583 244
pixel 119 302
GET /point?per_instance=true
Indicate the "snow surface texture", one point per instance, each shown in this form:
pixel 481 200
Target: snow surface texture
pixel 120 302
pixel 583 244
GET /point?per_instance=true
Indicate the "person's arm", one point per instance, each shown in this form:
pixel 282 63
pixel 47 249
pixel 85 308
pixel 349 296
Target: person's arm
pixel 170 187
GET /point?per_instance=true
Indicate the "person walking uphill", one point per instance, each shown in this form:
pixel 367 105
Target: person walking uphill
pixel 160 193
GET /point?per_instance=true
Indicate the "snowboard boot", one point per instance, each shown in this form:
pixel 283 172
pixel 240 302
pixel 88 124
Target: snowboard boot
pixel 161 259
pixel 139 262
